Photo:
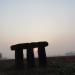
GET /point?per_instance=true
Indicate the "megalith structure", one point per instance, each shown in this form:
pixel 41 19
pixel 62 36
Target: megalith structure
pixel 30 54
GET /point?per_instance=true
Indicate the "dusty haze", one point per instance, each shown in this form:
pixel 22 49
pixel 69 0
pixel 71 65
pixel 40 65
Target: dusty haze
pixel 37 20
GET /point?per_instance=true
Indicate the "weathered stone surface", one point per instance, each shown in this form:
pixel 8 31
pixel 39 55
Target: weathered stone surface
pixel 30 57
pixel 20 46
pixel 42 56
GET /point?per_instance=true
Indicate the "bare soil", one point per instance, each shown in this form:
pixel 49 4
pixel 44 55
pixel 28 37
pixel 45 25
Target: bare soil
pixel 61 65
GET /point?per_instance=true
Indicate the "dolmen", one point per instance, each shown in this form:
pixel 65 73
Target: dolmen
pixel 18 48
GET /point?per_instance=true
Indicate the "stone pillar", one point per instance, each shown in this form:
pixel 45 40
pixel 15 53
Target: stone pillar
pixel 42 56
pixel 19 58
pixel 30 57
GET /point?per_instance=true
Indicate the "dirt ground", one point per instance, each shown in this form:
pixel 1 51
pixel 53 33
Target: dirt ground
pixel 55 66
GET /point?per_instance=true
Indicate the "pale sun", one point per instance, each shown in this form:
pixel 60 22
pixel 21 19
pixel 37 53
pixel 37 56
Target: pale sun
pixel 35 49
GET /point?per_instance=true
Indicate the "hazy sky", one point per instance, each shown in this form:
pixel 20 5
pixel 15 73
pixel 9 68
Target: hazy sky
pixel 37 20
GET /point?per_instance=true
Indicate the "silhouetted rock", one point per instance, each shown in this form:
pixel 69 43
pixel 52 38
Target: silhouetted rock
pixel 30 54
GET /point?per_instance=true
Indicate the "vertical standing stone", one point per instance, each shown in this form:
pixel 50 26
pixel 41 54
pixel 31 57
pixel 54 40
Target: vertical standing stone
pixel 42 56
pixel 30 57
pixel 19 58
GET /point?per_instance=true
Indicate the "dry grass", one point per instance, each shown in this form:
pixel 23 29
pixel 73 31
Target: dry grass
pixel 55 66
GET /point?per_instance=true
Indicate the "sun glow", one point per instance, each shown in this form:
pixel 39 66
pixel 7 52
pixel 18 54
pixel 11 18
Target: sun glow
pixel 35 49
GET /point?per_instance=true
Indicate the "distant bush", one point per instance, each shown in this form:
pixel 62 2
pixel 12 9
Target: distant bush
pixel 70 53
pixel 0 55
